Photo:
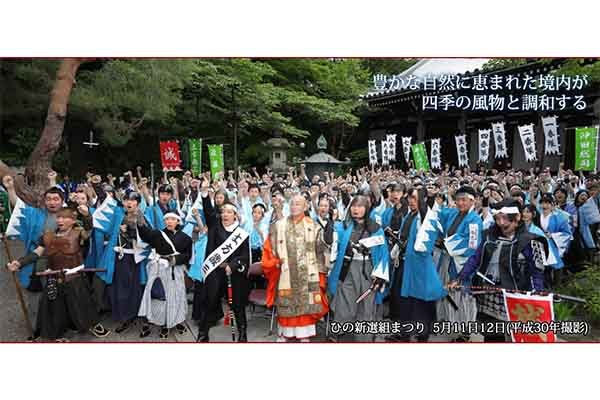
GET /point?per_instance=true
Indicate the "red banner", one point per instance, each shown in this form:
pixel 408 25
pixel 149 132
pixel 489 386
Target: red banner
pixel 531 317
pixel 169 156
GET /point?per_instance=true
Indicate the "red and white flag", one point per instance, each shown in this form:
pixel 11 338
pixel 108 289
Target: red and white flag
pixel 533 314
pixel 169 156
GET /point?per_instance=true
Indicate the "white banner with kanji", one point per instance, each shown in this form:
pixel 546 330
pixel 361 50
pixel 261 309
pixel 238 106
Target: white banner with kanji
pixel 484 145
pixel 552 143
pixel 528 140
pixel 406 148
pixel 500 140
pixel 391 139
pixel 462 151
pixel 385 157
pixel 372 152
pixel 436 156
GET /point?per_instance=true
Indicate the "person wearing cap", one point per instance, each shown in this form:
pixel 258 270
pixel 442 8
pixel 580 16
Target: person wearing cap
pixel 510 257
pixel 155 213
pixel 295 265
pixel 66 301
pixel 124 259
pixel 227 254
pixel 164 301
pixel 362 263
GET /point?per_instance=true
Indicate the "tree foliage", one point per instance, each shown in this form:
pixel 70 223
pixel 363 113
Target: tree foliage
pixel 134 103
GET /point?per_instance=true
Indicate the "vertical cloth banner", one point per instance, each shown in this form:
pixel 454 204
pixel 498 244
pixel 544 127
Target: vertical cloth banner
pixel 461 150
pixel 500 140
pixel 406 148
pixel 484 145
pixel 169 155
pixel 528 140
pixel 586 148
pixel 552 144
pixel 372 152
pixel 215 157
pixel 436 157
pixel 391 146
pixel 195 146
pixel 536 310
pixel 385 157
pixel 420 156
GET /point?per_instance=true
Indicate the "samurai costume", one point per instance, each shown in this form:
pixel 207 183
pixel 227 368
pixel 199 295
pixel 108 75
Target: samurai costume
pixel 516 263
pixel 66 301
pixel 124 259
pixel 171 252
pixel 556 225
pixel 461 235
pixel 224 245
pixel 28 224
pixel 416 284
pixel 354 271
pixel 295 265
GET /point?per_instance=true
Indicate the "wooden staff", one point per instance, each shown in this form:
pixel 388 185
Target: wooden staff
pixel 18 289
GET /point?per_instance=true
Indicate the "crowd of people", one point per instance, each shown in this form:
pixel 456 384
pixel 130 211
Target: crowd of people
pixel 371 244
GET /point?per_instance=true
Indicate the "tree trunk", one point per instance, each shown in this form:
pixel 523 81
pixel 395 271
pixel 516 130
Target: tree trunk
pixel 40 161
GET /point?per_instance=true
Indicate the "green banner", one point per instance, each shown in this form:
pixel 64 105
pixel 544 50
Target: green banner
pixel 420 156
pixel 586 148
pixel 195 146
pixel 215 156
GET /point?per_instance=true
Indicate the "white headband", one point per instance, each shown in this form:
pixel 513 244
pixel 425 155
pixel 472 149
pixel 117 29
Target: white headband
pixel 230 207
pixel 506 210
pixel 467 195
pixel 172 215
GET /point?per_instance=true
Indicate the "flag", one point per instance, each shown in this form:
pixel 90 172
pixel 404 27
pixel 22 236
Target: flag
pixel 406 148
pixel 537 310
pixel 372 152
pixel 586 148
pixel 552 145
pixel 436 156
pixel 462 150
pixel 169 155
pixel 500 140
pixel 385 157
pixel 420 156
pixel 484 145
pixel 195 146
pixel 215 156
pixel 391 138
pixel 528 140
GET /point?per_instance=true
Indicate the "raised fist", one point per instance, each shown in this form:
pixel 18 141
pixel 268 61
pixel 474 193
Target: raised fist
pixel 8 182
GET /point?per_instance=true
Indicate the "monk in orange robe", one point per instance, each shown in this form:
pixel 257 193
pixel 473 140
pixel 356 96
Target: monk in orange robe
pixel 295 265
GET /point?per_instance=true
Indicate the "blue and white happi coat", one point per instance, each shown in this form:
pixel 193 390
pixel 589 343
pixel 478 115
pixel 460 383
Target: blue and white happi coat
pixel 26 224
pixel 199 246
pixel 559 231
pixel 108 219
pixel 379 258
